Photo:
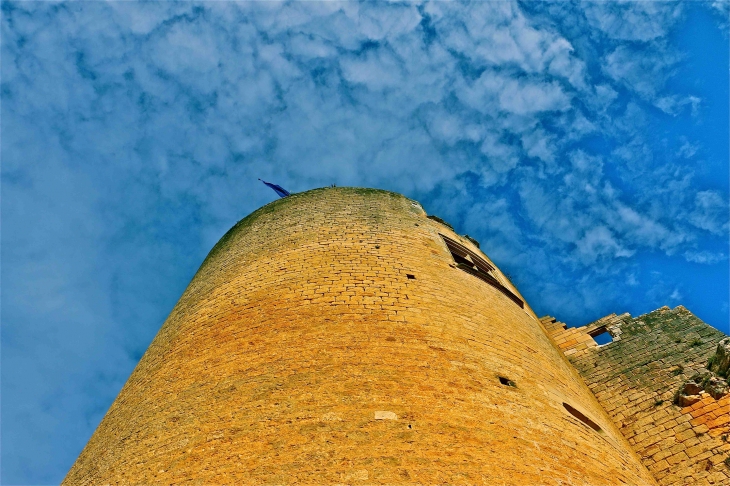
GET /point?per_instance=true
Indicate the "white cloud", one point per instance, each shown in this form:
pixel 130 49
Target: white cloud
pixel 687 149
pixel 673 104
pixel 524 97
pixel 705 257
pixel 378 23
pixel 308 47
pixel 501 157
pixel 641 71
pixel 496 91
pixel 599 242
pixel 631 20
pixel 722 9
pixel 186 50
pixel 605 95
pixel 710 212
pixel 587 170
pixel 375 69
pixel 676 295
pixel 539 144
pixel 498 34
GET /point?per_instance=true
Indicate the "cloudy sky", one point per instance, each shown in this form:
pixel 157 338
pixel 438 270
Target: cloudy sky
pixel 584 144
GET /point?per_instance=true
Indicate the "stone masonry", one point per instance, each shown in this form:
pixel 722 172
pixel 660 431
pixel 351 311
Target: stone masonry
pixel 339 336
pixel 637 379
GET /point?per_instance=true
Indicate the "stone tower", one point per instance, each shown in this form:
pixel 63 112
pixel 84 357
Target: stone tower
pixel 342 336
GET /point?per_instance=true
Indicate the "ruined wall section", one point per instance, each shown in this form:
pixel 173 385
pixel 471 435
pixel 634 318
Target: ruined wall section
pixel 637 378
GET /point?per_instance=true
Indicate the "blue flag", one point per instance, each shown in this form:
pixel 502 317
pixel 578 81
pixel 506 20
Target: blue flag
pixel 279 190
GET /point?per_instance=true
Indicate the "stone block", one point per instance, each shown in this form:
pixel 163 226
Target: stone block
pixel 385 415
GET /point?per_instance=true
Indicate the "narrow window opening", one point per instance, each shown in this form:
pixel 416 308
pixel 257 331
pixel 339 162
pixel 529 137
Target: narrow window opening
pixel 410 277
pixel 473 264
pixel 577 414
pixel 507 382
pixel 601 336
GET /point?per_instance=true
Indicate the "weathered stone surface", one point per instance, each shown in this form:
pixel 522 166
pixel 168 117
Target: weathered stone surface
pixel 302 323
pixel 687 400
pixel 654 385
pixel 691 388
pixel 704 381
pixel 719 363
pixel 716 387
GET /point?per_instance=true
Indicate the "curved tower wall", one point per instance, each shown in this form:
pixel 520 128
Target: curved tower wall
pixel 302 352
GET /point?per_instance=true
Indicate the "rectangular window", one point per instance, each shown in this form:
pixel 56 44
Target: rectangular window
pixel 601 336
pixel 472 263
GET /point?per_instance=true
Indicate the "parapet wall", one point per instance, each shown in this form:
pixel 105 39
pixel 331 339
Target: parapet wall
pixel 333 337
pixel 637 377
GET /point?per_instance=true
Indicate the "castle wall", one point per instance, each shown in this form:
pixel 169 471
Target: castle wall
pixel 636 378
pixel 330 337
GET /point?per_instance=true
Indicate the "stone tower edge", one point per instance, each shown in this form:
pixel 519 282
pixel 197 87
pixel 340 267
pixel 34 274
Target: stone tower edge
pixel 203 311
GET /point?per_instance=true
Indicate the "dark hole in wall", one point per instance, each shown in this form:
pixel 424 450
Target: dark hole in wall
pixel 475 265
pixel 506 381
pixel 461 259
pixel 410 277
pixel 577 414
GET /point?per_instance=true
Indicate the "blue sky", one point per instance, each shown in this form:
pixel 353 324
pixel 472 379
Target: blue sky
pixel 584 144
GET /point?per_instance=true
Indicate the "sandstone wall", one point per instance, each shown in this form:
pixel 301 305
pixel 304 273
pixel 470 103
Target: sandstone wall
pixel 330 338
pixel 636 378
